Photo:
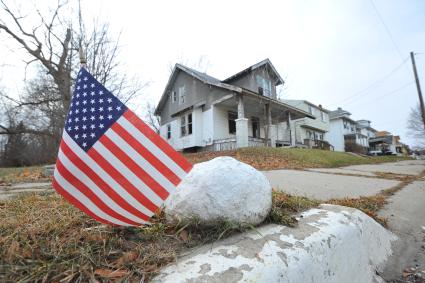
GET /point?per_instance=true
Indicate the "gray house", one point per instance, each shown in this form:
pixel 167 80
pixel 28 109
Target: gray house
pixel 199 112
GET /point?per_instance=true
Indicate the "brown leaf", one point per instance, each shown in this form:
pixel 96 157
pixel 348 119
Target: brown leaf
pixel 184 235
pixel 127 257
pixel 107 273
pixel 150 268
pixel 12 250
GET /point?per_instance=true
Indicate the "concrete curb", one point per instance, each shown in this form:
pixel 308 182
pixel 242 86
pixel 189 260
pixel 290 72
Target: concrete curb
pixel 331 244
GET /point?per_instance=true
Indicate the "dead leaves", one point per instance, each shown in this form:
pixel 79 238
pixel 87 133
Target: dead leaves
pixel 108 273
pixel 126 258
pixel 20 175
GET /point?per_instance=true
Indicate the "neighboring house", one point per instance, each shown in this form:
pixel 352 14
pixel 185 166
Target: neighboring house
pixel 386 143
pixel 199 112
pixel 344 133
pixel 312 133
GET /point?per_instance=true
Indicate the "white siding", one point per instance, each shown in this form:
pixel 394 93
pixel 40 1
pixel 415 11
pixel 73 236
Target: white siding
pixel 221 126
pixel 208 126
pixel 194 139
pixel 336 134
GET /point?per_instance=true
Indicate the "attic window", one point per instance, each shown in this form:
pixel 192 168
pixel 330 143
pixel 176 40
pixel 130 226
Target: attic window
pixel 264 86
pixel 174 96
pixel 182 95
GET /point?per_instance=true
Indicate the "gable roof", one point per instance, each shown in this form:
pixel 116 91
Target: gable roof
pixel 339 113
pixel 203 77
pixel 299 101
pixel 265 62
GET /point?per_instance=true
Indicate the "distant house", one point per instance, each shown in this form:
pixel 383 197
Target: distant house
pixel 345 134
pixel 309 132
pixel 386 143
pixel 199 112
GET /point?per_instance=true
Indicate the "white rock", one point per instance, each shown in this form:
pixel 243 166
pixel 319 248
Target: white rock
pixel 221 189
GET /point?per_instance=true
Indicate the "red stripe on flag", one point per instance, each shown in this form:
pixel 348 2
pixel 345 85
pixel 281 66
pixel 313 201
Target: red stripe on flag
pixel 147 155
pixel 156 139
pixel 122 180
pixel 136 169
pixel 78 204
pixel 100 183
pixel 90 195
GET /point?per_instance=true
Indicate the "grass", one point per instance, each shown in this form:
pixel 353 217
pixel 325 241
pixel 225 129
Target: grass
pixel 369 205
pixel 10 175
pixel 285 206
pixel 43 238
pixel 263 158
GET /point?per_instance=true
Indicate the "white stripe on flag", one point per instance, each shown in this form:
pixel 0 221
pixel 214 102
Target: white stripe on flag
pixel 84 200
pixel 74 170
pixel 139 160
pixel 105 176
pixel 153 148
pixel 127 173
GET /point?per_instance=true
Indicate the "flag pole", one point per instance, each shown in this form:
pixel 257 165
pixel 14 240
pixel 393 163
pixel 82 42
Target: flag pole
pixel 83 60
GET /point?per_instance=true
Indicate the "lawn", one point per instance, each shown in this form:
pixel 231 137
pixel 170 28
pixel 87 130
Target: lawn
pixel 45 239
pixel 264 158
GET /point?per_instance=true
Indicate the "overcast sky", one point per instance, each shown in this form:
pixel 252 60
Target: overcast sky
pixel 328 51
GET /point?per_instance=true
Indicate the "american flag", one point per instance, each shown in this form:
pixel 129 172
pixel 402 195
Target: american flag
pixel 110 164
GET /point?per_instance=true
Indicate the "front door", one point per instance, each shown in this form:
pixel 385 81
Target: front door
pixel 255 127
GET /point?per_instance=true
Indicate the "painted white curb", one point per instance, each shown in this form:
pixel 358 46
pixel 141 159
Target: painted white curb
pixel 331 244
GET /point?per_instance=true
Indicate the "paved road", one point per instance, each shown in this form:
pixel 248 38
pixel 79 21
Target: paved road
pixel 405 209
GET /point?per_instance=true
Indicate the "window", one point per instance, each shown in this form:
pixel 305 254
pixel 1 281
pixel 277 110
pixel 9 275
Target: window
pixel 183 126
pixel 174 96
pixel 232 123
pixel 186 125
pixel 182 94
pixel 255 127
pixel 168 131
pixel 310 109
pixel 309 134
pixel 322 115
pixel 264 86
pixel 189 124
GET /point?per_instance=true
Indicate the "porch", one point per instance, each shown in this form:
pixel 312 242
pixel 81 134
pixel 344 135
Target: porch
pixel 254 121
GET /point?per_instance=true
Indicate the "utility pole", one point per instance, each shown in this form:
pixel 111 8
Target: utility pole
pixel 418 87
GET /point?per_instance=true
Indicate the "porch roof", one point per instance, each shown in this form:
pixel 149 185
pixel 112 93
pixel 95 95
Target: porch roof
pixel 313 128
pixel 253 100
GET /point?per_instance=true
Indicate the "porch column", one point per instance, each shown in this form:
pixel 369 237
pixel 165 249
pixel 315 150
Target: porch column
pixel 271 132
pixel 291 129
pixel 241 125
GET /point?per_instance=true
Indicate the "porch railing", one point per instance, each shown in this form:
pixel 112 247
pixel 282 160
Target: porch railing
pixel 230 143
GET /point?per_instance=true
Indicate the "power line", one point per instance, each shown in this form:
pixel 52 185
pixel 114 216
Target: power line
pixel 389 93
pixel 377 82
pixel 387 29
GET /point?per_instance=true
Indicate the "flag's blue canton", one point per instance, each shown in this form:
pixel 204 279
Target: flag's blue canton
pixel 93 110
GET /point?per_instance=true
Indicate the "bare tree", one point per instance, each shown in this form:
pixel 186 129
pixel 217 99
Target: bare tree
pixel 150 118
pixel 416 126
pixel 200 64
pixel 53 45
